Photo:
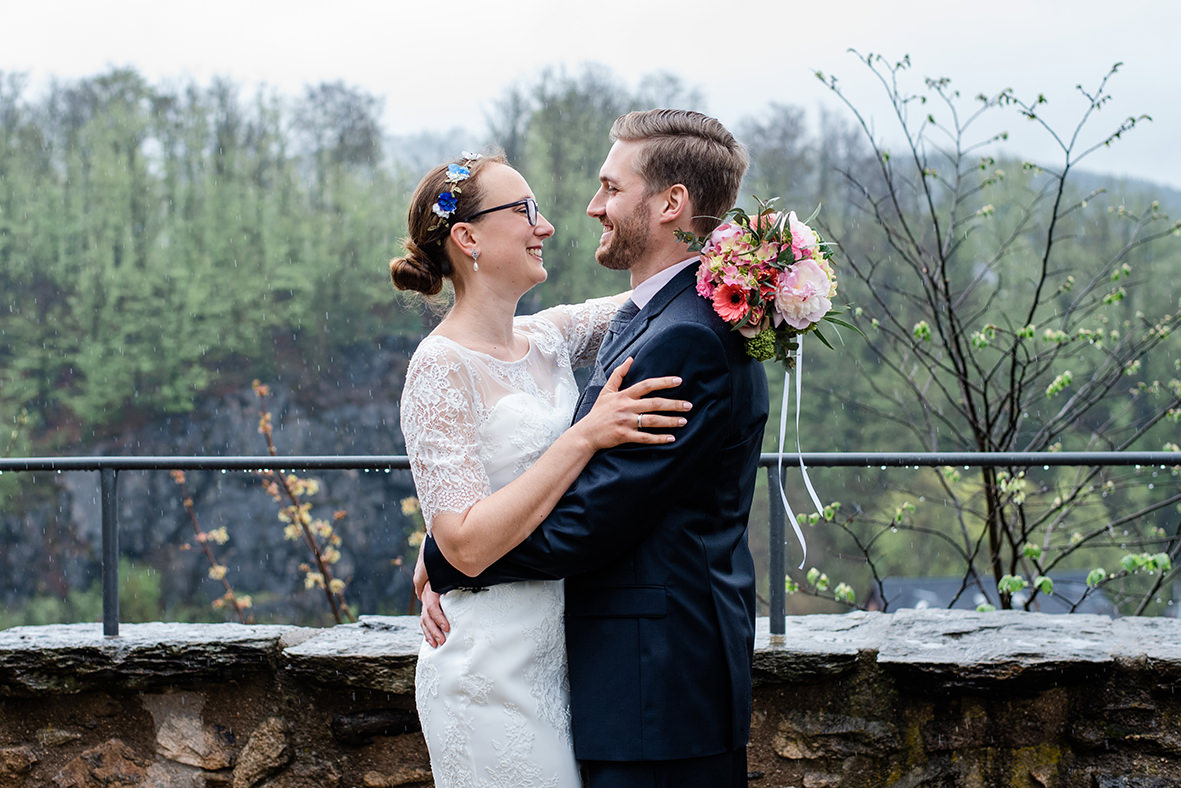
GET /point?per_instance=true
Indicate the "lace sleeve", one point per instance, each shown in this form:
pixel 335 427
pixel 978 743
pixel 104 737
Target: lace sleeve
pixel 439 424
pixel 582 327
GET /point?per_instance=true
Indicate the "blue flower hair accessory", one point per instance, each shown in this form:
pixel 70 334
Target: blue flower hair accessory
pixel 448 199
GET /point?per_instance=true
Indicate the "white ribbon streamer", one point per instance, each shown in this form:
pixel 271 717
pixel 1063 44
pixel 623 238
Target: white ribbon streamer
pixel 799 451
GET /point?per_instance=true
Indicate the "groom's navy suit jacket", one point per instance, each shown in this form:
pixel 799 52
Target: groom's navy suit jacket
pixel 660 589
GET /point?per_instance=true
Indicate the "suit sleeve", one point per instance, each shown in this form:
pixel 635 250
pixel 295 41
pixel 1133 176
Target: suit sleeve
pixel 620 493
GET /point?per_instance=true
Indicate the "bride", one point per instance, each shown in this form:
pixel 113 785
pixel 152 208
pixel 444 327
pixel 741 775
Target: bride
pixel 486 412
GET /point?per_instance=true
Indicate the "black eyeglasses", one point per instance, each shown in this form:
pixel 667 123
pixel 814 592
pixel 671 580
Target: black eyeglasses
pixel 530 210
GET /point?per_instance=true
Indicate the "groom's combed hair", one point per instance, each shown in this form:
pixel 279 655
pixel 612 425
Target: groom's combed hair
pixel 695 150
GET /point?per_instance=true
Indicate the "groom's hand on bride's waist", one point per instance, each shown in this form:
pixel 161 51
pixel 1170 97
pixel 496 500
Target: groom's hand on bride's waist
pixel 432 620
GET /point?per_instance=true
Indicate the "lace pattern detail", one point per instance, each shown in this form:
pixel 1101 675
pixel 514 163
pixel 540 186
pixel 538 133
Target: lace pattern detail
pixel 438 421
pixel 493 699
pixel 582 327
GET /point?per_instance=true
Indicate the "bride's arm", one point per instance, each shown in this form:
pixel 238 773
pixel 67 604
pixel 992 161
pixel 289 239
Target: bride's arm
pixel 473 539
pixel 583 326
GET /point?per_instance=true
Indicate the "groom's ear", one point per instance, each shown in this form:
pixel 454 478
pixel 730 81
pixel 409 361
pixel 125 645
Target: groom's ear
pixel 675 206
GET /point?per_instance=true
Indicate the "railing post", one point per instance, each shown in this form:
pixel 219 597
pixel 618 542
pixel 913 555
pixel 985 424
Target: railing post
pixel 777 568
pixel 110 516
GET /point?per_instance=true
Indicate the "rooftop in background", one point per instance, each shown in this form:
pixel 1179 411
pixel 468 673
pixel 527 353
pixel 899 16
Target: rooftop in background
pixel 931 593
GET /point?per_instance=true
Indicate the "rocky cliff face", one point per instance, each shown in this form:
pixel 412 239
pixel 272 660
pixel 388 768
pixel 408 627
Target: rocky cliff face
pixel 51 535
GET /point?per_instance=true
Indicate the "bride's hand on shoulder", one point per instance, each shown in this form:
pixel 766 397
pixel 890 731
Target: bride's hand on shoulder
pixel 627 415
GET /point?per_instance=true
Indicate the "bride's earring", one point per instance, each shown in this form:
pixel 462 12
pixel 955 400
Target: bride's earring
pixel 475 259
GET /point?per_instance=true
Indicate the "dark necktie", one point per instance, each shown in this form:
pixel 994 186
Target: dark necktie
pixel 620 319
pixel 615 327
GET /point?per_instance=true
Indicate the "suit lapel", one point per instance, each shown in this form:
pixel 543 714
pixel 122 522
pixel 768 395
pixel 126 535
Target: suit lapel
pixel 611 354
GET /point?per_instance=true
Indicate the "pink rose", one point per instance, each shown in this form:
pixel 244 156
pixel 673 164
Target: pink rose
pixel 765 221
pixel 801 296
pixel 705 285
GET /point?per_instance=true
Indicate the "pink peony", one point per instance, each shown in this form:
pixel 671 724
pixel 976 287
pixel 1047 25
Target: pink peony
pixel 730 303
pixel 803 237
pixel 801 297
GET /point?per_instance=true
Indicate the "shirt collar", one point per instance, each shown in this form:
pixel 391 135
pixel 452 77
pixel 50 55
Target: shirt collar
pixel 651 286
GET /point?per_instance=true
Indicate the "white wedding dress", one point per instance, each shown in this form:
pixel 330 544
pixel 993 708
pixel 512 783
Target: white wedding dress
pixel 494 698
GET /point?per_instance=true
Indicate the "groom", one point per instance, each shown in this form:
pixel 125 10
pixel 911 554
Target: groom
pixel 652 539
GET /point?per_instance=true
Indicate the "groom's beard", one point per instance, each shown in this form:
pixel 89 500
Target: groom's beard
pixel 629 241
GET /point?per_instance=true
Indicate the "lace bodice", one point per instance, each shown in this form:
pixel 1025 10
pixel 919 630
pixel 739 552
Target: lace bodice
pixel 473 423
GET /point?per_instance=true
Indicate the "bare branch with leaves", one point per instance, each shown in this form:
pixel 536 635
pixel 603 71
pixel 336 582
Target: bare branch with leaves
pixel 318 535
pixel 1008 306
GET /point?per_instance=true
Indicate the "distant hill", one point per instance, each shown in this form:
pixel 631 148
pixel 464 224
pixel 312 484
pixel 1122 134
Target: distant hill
pixel 1135 189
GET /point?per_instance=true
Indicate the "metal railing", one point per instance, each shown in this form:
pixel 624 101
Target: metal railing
pixel 108 469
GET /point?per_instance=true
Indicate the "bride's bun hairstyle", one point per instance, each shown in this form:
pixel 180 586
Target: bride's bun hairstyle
pixel 445 195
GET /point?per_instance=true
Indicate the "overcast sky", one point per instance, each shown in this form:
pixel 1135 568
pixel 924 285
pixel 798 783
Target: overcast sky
pixel 438 65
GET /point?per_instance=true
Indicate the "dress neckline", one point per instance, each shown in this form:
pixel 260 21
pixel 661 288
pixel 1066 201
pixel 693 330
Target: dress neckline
pixel 489 356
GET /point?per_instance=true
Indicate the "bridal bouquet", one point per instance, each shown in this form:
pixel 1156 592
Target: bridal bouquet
pixel 770 276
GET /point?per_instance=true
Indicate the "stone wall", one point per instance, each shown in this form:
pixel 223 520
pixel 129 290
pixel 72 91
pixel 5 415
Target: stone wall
pixel 906 700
